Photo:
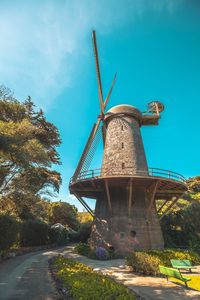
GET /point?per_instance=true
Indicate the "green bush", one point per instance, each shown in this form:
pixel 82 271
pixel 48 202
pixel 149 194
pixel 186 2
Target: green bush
pixel 57 236
pixel 34 233
pixel 84 249
pixel 9 231
pixel 84 232
pixel 148 262
pixel 141 262
pixel 166 255
pixel 81 282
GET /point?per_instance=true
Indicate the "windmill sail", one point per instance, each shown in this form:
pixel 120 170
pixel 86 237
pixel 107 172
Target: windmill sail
pixel 100 92
pixel 89 150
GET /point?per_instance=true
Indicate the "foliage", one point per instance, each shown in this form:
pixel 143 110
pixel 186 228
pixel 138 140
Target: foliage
pixel 64 213
pixel 85 249
pixel 84 232
pixel 84 217
pixel 9 231
pixel 57 236
pixel 34 233
pixel 181 227
pixel 83 283
pixel 194 184
pixel 101 253
pixel 142 262
pixel 27 151
pixel 85 226
pixel 167 254
pixel 148 262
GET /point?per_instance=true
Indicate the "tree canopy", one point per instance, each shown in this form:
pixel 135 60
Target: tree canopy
pixel 28 150
pixel 181 227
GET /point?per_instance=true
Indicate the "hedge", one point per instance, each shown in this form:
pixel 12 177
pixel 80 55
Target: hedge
pixel 148 262
pixel 28 233
pixel 34 233
pixel 9 231
pixel 81 282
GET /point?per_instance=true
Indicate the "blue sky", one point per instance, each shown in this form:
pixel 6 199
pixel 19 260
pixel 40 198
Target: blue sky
pixel 154 46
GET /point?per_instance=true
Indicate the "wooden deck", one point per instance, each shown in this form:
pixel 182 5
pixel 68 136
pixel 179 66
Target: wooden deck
pixel 93 186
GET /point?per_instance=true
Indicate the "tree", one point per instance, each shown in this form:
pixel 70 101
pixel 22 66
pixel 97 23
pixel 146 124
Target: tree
pixel 64 213
pixel 181 227
pixel 27 152
pixel 85 217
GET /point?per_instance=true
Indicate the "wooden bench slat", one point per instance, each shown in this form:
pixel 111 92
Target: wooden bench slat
pixel 171 272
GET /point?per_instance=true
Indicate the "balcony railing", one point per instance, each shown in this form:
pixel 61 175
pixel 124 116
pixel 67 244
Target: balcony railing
pixel 128 171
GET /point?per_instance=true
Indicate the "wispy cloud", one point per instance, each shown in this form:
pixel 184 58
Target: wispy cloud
pixel 40 39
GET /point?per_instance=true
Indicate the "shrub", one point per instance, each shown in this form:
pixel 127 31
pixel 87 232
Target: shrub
pixel 148 262
pixel 84 249
pixel 101 253
pixel 83 283
pixel 84 232
pixel 34 233
pixel 166 255
pixel 111 252
pixel 57 236
pixel 194 244
pixel 142 262
pixel 9 231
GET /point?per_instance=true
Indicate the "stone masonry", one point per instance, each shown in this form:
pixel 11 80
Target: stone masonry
pixel 125 229
pixel 124 151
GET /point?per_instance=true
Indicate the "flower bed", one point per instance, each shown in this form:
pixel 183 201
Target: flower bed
pixel 148 262
pixel 79 281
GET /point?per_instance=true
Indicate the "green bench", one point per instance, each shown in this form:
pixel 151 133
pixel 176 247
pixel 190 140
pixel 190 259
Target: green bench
pixel 182 264
pixel 170 272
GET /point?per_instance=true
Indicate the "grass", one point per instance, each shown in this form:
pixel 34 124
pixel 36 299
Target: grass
pixel 82 283
pixel 193 284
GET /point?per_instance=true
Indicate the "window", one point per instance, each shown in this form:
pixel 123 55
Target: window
pixel 122 128
pixel 123 165
pixel 122 145
pixel 122 235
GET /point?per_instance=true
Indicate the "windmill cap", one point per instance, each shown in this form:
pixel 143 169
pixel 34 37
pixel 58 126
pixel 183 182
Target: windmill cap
pixel 124 109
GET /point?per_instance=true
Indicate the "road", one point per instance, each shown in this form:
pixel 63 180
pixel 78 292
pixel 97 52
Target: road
pixel 27 277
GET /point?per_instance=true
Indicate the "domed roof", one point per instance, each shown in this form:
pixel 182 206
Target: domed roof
pixel 124 109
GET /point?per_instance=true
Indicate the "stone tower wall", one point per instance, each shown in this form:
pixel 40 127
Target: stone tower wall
pixel 124 151
pixel 120 214
pixel 113 229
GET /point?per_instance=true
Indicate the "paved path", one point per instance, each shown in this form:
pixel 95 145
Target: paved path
pixel 27 277
pixel 149 288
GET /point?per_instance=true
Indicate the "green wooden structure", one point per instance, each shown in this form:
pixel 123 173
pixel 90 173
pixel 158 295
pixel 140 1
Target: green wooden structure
pixel 182 264
pixel 170 272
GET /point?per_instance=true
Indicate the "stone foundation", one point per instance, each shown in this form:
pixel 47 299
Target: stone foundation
pixel 117 228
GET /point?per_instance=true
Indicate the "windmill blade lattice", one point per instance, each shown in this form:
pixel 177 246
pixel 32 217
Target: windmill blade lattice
pixel 89 150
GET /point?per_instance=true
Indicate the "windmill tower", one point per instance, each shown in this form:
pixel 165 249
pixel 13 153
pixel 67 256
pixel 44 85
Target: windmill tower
pixel 124 187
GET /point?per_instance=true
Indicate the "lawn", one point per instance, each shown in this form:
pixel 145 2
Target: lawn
pixel 193 284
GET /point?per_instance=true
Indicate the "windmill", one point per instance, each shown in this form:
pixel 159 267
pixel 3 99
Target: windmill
pixel 125 189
